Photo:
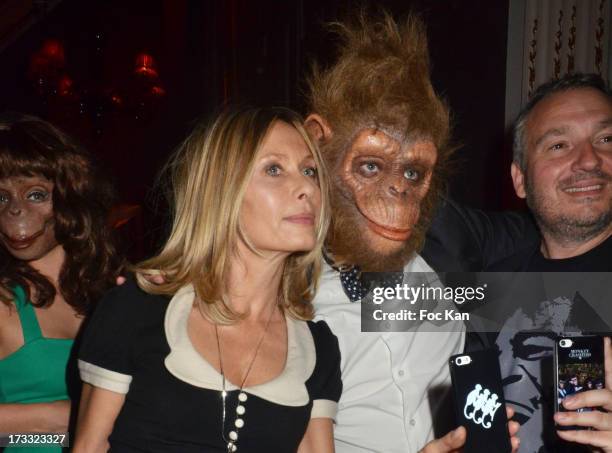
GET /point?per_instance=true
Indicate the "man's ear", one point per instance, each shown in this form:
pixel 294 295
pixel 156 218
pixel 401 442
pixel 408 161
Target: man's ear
pixel 518 179
pixel 317 128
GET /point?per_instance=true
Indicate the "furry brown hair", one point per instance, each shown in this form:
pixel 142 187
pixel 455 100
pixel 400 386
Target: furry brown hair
pixel 381 79
pixel 81 199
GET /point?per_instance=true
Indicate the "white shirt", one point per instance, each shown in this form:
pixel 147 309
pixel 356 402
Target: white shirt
pixel 386 376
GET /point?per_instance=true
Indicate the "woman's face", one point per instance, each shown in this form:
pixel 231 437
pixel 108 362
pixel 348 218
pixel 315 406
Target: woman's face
pixel 283 199
pixel 26 217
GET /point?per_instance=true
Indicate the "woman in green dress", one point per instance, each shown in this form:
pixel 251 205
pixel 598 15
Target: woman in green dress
pixel 56 259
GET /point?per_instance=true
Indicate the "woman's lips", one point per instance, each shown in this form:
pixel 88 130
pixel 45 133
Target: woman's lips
pixel 391 233
pixel 301 219
pixel 20 244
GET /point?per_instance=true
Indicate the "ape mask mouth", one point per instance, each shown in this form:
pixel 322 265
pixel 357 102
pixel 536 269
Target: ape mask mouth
pixel 22 241
pixel 387 232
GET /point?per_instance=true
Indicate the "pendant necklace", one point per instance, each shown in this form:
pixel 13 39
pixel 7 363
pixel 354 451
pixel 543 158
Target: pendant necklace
pixel 242 396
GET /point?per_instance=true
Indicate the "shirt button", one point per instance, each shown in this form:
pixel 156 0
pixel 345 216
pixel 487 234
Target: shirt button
pixel 400 372
pixel 412 422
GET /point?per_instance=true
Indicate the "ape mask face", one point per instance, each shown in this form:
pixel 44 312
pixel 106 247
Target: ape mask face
pixel 51 195
pixel 26 217
pixel 388 179
pixel 383 134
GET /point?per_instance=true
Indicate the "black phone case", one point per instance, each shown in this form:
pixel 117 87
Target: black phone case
pixel 584 360
pixel 479 402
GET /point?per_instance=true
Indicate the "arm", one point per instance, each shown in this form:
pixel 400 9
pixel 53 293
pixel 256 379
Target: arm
pixel 325 387
pixel 35 417
pixel 319 437
pixel 97 414
pixel 465 239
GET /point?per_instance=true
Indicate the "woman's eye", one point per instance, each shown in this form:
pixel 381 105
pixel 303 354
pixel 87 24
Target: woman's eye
pixel 369 168
pixel 4 198
pixel 273 170
pixel 411 174
pixel 311 172
pixel 37 195
pixel 607 139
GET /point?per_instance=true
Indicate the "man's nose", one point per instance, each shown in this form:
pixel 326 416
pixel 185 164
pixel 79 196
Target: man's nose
pixel 586 157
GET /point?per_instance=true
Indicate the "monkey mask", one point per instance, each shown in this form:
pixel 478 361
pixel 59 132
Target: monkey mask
pixel 383 134
pixel 26 217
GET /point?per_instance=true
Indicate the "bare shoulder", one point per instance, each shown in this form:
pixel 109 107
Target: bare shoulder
pixel 8 312
pixel 10 330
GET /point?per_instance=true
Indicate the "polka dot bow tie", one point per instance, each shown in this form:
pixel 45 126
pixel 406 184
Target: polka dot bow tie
pixel 356 289
pixel 352 285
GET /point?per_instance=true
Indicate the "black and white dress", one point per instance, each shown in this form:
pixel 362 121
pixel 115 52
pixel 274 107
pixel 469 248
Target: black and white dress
pixel 137 344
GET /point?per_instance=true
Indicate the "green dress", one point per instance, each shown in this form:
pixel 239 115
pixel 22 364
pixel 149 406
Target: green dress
pixel 36 372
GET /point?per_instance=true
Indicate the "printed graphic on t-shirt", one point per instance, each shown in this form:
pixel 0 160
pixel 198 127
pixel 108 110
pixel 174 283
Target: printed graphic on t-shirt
pixel 526 344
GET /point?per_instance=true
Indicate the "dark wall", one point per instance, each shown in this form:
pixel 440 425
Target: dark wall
pixel 468 50
pixel 211 52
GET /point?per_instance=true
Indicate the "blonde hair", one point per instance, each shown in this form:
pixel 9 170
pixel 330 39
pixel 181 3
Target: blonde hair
pixel 209 175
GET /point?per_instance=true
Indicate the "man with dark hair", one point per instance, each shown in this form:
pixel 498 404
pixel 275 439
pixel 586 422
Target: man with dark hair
pixel 573 386
pixel 465 239
pixel 563 168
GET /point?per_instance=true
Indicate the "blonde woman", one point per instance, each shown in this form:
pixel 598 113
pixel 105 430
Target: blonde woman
pixel 223 356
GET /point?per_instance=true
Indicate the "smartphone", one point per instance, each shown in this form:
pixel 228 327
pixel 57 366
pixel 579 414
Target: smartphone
pixel 479 401
pixel 579 366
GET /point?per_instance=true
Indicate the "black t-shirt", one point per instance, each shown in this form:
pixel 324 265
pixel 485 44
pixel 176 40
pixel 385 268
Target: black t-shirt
pixel 137 344
pixel 598 259
pixel 526 340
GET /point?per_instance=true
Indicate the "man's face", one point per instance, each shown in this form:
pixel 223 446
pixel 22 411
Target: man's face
pixel 567 179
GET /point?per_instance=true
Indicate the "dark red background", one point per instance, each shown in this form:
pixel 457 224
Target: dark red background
pixel 210 52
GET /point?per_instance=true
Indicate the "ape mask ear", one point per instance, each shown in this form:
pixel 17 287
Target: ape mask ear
pixel 318 128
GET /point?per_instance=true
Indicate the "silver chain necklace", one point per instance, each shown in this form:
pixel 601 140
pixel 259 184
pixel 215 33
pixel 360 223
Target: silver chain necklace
pixel 242 396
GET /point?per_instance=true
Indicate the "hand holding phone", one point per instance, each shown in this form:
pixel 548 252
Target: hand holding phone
pixel 479 401
pixel 596 426
pixel 579 367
